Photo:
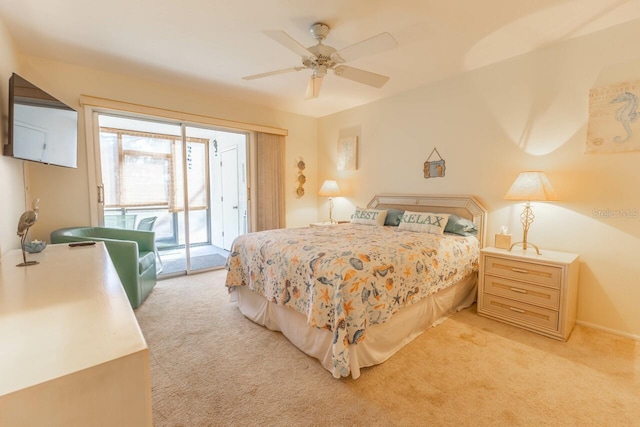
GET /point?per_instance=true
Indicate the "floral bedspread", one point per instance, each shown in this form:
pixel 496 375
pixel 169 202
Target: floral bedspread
pixel 344 278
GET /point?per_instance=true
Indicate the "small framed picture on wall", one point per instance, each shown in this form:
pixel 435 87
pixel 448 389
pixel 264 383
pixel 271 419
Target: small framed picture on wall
pixel 348 153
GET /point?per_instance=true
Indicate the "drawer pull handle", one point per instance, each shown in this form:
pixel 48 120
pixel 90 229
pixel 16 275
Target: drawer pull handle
pixel 519 270
pixel 522 291
pixel 517 310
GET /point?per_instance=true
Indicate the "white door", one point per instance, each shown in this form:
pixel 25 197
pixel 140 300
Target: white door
pixel 230 197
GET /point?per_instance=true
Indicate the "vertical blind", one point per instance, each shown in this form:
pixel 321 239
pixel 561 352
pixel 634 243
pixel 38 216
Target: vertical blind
pixel 270 205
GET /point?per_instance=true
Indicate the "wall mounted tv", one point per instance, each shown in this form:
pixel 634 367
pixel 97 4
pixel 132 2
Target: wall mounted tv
pixel 41 128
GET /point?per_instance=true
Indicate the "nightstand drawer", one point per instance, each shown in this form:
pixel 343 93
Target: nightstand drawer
pixel 520 312
pixel 519 270
pixel 521 291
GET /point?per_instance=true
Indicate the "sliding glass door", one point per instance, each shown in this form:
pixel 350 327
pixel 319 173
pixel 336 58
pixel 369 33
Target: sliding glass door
pixel 167 177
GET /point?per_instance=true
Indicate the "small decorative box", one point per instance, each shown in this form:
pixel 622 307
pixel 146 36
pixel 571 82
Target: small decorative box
pixel 503 241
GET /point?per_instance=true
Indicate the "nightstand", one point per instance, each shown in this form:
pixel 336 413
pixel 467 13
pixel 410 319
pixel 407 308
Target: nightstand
pixel 534 292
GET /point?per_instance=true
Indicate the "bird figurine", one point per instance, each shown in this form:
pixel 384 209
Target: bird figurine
pixel 26 221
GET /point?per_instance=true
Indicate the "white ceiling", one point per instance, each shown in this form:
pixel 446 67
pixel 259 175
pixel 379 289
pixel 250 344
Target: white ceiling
pixel 210 45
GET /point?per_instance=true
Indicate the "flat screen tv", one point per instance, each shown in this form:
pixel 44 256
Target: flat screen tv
pixel 41 128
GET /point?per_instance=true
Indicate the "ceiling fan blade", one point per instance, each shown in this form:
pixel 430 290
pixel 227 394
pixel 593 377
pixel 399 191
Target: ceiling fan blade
pixel 366 47
pixel 361 76
pixel 273 73
pixel 289 42
pixel 313 87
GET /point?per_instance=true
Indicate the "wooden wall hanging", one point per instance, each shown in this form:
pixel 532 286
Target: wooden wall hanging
pixel 434 168
pixel 301 179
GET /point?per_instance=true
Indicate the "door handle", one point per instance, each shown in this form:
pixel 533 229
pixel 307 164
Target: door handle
pixel 101 193
pixel 234 207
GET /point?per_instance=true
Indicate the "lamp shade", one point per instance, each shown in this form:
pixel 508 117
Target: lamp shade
pixel 531 186
pixel 329 189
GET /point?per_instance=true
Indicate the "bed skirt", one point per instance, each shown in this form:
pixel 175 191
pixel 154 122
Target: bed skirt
pixel 382 340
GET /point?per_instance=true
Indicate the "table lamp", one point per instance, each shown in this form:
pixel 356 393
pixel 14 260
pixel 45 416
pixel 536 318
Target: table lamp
pixel 330 189
pixel 530 186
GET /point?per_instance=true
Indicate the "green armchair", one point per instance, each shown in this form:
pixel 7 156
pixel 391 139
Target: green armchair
pixel 131 251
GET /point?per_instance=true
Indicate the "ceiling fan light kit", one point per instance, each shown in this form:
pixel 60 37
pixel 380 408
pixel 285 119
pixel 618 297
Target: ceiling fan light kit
pixel 320 58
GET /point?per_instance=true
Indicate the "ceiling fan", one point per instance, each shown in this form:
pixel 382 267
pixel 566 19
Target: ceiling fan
pixel 321 58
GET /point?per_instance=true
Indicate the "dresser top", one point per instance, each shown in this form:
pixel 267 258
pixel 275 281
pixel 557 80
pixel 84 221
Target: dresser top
pixel 65 314
pixel 531 255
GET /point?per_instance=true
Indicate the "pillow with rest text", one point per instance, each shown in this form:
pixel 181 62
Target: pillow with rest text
pixel 369 216
pixel 424 222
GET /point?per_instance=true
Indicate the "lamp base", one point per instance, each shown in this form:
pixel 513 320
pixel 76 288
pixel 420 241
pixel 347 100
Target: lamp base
pixel 524 246
pixel 331 210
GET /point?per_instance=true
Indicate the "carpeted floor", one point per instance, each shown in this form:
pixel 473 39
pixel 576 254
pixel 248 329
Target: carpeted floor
pixel 197 263
pixel 210 366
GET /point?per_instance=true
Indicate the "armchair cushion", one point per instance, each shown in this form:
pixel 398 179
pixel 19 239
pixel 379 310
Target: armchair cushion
pixel 146 260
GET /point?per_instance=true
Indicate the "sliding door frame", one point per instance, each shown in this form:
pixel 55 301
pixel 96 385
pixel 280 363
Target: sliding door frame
pixel 93 106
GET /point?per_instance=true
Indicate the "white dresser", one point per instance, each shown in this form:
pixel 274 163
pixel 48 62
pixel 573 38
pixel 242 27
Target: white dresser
pixel 534 292
pixel 71 350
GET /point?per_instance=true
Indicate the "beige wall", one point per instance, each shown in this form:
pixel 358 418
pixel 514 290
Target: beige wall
pixel 526 113
pixel 64 193
pixel 12 193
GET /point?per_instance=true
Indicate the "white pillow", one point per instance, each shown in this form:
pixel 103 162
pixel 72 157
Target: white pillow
pixel 424 222
pixel 369 216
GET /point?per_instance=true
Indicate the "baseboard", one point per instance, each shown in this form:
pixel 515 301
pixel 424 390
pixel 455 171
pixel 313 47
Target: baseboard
pixel 608 330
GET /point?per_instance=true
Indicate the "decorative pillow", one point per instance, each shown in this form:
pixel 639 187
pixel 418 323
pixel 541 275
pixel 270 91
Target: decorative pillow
pixel 424 222
pixel 394 216
pixel 369 216
pixel 461 226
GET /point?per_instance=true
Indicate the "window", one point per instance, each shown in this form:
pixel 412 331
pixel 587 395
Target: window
pixel 130 158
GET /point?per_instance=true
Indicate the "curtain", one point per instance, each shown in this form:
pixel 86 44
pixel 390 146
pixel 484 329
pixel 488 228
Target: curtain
pixel 270 171
pixel 142 169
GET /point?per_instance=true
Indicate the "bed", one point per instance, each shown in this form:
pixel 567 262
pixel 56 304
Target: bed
pixel 352 295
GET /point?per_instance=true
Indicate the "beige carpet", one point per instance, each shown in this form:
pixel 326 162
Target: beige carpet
pixel 212 366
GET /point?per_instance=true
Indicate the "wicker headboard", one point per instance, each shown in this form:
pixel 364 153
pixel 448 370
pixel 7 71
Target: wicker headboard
pixel 463 206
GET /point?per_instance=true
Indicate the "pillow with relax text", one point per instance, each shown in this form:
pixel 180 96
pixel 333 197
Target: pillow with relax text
pixel 369 216
pixel 424 222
